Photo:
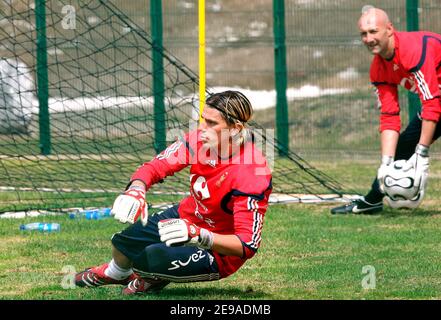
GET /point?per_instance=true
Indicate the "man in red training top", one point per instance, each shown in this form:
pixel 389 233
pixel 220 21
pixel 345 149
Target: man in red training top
pixel 209 234
pixel 412 60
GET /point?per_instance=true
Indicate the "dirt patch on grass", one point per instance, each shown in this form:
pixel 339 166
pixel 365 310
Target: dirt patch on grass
pixel 431 203
pixel 12 240
pixel 392 226
pixel 20 269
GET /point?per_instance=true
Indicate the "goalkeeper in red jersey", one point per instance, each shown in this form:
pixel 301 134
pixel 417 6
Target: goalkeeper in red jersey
pixel 412 60
pixel 209 234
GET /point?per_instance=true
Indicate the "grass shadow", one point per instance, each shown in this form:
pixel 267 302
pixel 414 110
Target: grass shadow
pixel 169 293
pixel 208 293
pixel 391 213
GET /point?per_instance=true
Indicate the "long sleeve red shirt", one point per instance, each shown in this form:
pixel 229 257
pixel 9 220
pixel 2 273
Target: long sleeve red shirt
pixel 226 197
pixel 415 66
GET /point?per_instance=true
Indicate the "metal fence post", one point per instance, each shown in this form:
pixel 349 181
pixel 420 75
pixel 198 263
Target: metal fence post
pixel 42 78
pixel 412 25
pixel 158 75
pixel 282 121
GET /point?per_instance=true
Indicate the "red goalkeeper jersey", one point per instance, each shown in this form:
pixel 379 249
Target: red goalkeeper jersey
pixel 226 196
pixel 415 66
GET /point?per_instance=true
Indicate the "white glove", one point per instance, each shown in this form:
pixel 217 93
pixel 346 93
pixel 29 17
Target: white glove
pixel 178 232
pixel 130 205
pixel 419 162
pixel 405 204
pixel 382 170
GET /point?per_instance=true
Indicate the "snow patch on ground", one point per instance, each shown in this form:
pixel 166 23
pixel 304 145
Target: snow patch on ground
pixel 260 99
pixel 264 99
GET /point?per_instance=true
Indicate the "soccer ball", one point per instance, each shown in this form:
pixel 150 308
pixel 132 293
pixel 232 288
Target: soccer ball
pixel 399 184
pixel 405 204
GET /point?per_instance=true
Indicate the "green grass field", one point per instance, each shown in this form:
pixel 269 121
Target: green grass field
pixel 306 253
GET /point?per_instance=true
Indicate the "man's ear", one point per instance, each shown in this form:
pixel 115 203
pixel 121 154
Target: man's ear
pixel 390 29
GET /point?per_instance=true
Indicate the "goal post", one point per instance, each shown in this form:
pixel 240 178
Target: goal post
pixel 102 102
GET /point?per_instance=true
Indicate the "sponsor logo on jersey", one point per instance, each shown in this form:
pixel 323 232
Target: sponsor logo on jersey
pixel 200 187
pixel 195 257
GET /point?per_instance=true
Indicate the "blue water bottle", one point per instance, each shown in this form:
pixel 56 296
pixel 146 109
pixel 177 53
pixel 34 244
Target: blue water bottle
pixel 38 226
pixel 94 214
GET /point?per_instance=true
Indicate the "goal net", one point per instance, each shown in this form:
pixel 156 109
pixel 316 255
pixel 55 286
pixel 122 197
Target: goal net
pixel 102 122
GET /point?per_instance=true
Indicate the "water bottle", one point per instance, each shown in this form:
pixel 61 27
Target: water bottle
pixel 94 214
pixel 39 226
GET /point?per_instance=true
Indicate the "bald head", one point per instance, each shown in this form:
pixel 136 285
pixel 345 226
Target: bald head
pixel 373 16
pixel 376 31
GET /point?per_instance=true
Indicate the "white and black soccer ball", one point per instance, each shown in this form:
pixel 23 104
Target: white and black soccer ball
pixel 399 184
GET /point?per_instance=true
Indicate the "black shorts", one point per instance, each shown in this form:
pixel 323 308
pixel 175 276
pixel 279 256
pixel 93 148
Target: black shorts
pixel 153 259
pixel 410 137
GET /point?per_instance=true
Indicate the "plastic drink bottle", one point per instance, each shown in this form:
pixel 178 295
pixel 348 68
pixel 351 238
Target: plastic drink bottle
pixel 39 226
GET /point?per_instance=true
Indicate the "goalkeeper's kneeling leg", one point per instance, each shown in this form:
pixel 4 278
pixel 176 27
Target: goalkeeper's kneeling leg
pixel 176 264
